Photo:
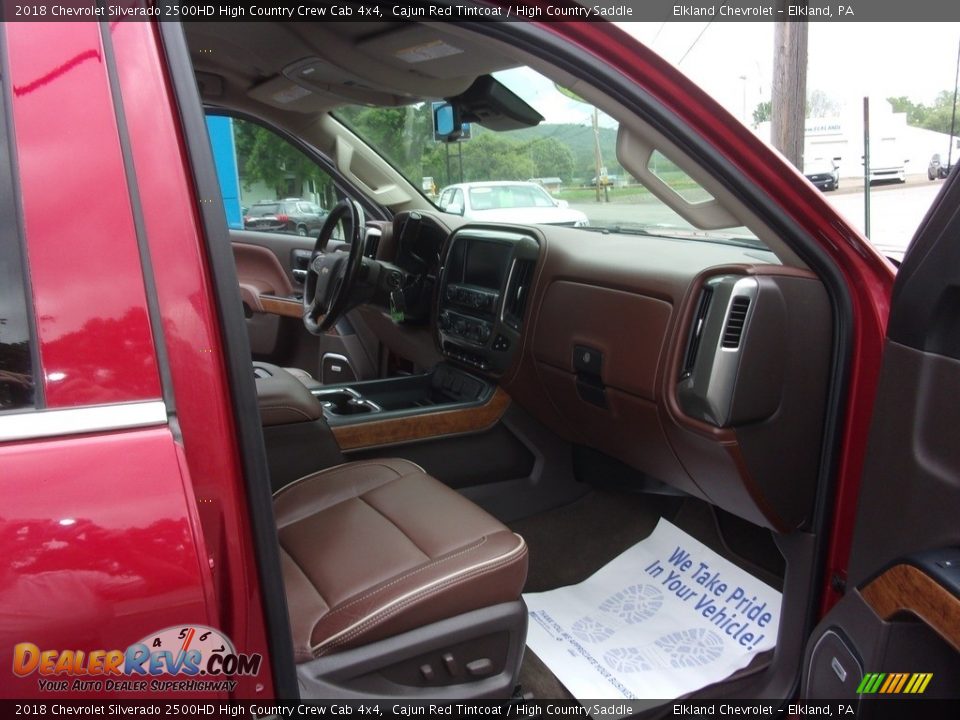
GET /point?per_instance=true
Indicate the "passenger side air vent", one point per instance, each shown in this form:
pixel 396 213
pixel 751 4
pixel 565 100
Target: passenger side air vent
pixel 517 288
pixel 733 330
pixel 696 332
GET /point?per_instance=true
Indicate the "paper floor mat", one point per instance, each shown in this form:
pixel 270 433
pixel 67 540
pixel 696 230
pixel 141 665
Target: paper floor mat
pixel 665 618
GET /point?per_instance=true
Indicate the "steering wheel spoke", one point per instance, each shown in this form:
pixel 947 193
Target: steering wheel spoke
pixel 332 275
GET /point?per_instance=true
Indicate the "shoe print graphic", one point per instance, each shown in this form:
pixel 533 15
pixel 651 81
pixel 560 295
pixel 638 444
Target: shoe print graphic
pixel 677 650
pixel 629 606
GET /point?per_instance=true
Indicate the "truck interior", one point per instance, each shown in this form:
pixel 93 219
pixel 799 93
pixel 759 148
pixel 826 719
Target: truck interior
pixel 456 412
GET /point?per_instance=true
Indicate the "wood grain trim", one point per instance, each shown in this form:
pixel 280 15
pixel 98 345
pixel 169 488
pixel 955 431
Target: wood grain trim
pixel 905 588
pixel 281 306
pixel 422 427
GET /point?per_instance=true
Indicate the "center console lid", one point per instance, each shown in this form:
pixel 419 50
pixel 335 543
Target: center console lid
pixel 282 398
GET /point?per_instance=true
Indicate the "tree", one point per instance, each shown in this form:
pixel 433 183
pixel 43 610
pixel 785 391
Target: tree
pixel 489 156
pixel 936 117
pixel 265 157
pixel 820 105
pixel 551 158
pixel 762 112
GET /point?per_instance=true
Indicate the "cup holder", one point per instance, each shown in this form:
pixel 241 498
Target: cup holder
pixel 345 401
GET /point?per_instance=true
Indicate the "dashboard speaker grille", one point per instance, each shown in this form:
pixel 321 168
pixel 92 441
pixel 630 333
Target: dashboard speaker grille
pixel 736 319
pixel 696 332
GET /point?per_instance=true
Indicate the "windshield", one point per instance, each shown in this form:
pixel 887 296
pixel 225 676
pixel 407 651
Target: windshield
pixel 567 166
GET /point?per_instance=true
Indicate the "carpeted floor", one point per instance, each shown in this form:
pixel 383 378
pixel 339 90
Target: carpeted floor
pixel 568 544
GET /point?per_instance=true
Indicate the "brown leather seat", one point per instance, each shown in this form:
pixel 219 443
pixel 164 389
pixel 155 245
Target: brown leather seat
pixel 374 548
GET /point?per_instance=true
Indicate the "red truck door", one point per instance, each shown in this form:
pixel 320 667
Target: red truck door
pixel 896 631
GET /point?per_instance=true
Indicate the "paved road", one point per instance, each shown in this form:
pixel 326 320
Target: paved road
pixel 895 210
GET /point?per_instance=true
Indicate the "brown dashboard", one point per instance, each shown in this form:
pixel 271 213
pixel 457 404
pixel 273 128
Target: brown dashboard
pixel 702 365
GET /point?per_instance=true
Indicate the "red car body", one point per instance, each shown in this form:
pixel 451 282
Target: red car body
pixel 113 535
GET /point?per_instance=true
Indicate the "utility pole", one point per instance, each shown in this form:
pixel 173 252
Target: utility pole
pixel 598 162
pixel 789 87
pixel 953 114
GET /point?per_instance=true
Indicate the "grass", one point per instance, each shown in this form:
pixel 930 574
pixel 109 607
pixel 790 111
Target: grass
pixel 631 193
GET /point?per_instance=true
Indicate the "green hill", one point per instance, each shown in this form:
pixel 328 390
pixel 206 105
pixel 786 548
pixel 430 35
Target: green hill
pixel 580 141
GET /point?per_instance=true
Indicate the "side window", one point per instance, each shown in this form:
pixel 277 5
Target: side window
pixel 16 349
pixel 258 170
pixel 445 199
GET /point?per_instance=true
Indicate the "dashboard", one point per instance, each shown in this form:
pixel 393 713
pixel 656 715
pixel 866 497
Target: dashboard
pixel 702 365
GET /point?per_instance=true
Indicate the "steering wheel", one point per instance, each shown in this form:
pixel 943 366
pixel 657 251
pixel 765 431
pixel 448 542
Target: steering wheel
pixel 331 275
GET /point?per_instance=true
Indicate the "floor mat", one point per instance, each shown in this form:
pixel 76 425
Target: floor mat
pixel 664 619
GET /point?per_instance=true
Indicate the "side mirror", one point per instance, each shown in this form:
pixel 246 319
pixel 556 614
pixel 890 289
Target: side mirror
pixel 561 203
pixel 455 209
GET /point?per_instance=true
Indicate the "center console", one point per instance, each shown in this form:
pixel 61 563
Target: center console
pixel 484 285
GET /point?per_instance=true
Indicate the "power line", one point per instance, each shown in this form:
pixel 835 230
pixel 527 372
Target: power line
pixel 654 41
pixel 694 44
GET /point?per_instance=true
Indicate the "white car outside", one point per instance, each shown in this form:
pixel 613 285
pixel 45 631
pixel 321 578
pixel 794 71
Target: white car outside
pixel 507 201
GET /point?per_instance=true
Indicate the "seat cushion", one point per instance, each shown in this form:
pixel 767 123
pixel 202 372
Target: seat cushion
pixel 373 548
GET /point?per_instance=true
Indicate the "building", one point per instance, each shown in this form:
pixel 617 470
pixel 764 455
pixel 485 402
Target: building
pixel 892 140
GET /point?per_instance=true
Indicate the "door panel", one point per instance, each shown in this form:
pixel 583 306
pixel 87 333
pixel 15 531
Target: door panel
pixel 901 611
pixel 272 297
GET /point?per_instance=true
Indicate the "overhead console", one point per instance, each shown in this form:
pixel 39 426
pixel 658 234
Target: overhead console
pixel 484 286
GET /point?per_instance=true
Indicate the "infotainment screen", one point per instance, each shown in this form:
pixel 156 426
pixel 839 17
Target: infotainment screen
pixel 486 264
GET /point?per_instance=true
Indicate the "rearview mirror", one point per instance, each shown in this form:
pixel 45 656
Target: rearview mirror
pixel 447 126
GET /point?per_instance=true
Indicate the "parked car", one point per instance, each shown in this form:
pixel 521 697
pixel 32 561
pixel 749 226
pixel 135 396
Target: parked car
pixel 824 174
pixel 501 201
pixel 937 169
pixel 291 215
pixel 183 517
pixel 886 167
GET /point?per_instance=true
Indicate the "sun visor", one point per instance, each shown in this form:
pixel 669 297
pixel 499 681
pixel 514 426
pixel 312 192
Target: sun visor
pixel 319 76
pixel 279 92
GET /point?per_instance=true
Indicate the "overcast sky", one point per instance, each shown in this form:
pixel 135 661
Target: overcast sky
pixel 846 60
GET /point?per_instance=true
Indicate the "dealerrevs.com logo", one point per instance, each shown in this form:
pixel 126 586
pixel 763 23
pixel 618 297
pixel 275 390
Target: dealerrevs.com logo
pixel 201 658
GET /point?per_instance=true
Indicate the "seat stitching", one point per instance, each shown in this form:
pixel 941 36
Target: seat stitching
pixel 304 648
pixel 386 517
pixel 287 407
pixel 388 613
pixel 405 576
pixel 355 463
pixel 355 495
pixel 384 613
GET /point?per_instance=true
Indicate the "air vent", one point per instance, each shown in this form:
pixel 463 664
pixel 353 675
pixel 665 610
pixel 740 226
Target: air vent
pixel 696 332
pixel 517 288
pixel 371 242
pixel 733 330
